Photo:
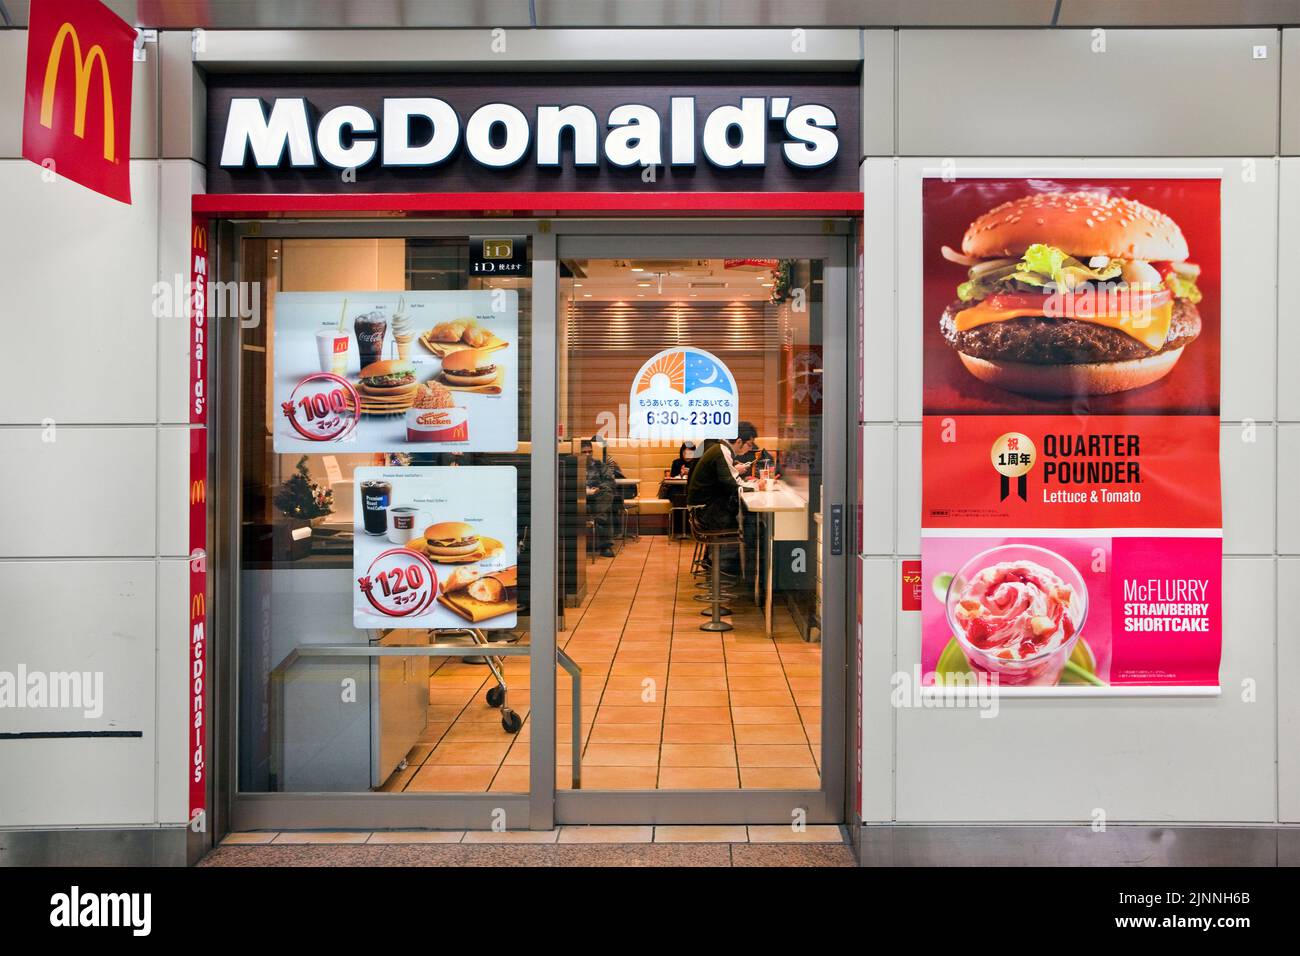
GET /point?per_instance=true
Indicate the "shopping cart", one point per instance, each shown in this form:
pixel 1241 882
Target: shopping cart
pixel 495 696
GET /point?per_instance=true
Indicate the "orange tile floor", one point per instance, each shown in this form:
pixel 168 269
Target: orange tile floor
pixel 664 704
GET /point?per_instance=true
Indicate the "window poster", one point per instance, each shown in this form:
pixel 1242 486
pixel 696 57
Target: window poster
pixel 683 394
pixel 396 371
pixel 435 547
pixel 1071 519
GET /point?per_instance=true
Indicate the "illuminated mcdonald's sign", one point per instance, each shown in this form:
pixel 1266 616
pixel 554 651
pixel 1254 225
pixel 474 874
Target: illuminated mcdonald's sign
pixel 80 63
pixel 84 70
pixel 198 491
pixel 200 239
pixel 196 606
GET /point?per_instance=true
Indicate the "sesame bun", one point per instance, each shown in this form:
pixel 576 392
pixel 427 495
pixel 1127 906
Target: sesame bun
pixel 1081 224
pixel 387 367
pixel 468 367
pixel 465 360
pixel 1094 378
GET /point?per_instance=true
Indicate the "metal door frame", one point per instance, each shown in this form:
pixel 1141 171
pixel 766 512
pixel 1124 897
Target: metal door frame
pixel 542 806
pixel 795 239
pixel 370 810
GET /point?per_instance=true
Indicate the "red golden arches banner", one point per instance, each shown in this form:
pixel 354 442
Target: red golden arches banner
pixel 77 108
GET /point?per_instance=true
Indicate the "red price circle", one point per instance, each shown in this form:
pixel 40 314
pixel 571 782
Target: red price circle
pixel 323 407
pixel 400 583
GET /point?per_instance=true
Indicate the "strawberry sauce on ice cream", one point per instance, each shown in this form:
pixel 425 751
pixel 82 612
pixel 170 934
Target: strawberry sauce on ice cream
pixel 1017 610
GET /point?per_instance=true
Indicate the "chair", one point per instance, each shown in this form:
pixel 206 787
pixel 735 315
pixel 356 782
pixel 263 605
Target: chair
pixel 714 540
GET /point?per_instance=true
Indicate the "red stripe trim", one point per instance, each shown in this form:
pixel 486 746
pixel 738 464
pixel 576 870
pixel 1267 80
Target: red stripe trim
pixel 756 203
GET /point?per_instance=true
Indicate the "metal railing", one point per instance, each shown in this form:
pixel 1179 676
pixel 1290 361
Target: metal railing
pixel 278 673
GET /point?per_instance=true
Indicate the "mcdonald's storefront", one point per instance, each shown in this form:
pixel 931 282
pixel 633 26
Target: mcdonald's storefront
pixel 399 357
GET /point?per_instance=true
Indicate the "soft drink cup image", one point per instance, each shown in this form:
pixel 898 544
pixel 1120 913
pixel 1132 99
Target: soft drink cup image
pixel 370 329
pixel 1017 611
pixel 332 347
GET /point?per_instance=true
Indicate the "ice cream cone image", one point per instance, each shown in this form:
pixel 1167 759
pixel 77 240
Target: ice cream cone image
pixel 403 331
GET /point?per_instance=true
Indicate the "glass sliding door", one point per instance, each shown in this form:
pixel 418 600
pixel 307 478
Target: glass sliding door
pixel 345 723
pixel 702 427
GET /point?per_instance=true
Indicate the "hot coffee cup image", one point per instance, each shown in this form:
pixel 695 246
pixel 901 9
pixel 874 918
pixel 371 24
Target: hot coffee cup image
pixel 1017 611
pixel 405 522
pixel 375 497
pixel 370 328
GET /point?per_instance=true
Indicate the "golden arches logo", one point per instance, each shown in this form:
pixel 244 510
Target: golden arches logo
pixel 198 491
pixel 196 606
pixel 200 238
pixel 84 69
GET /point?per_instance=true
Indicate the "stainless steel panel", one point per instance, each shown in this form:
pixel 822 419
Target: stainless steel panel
pixel 183 104
pixel 793 13
pixel 543 597
pixel 1046 93
pixel 879 69
pixel 315 14
pixel 82 848
pixel 533 49
pixel 1290 92
pixel 374 811
pixel 1183 13
pixel 891 845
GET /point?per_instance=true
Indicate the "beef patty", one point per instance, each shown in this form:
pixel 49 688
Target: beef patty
pixel 1039 340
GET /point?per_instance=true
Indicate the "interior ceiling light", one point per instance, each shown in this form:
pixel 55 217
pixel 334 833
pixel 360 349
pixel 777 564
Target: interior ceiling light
pixel 637 269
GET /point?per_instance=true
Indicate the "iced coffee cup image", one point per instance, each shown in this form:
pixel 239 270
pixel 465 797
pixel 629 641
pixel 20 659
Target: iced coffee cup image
pixel 1017 611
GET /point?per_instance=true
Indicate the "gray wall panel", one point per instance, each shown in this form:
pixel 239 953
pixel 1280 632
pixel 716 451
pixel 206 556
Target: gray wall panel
pixel 1155 93
pixel 879 68
pixel 1290 92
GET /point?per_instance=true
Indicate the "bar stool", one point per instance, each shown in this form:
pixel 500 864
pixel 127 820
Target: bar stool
pixel 714 542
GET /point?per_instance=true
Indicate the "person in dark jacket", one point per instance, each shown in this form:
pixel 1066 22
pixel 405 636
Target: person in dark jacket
pixel 601 491
pixel 713 481
pixel 684 461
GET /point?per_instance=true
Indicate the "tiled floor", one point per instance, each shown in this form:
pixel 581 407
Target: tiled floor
pixel 568 846
pixel 738 833
pixel 664 704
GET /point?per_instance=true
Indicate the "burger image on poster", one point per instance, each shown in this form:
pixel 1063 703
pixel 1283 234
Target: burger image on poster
pixel 683 394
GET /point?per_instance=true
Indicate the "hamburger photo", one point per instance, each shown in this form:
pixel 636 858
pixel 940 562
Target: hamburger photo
pixel 451 539
pixel 1072 293
pixel 468 368
pixel 388 377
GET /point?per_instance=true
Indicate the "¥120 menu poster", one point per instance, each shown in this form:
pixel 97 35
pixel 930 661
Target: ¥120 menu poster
pixel 1071 527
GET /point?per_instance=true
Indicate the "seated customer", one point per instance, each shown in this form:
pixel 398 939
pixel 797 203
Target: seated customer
pixel 681 465
pixel 600 501
pixel 713 482
pixel 755 458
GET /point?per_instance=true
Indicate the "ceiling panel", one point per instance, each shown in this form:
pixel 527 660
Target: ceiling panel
pixel 364 14
pixel 1177 13
pixel 308 14
pixel 792 13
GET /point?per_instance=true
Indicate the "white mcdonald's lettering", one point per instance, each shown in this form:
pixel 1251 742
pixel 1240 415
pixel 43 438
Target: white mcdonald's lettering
pixel 499 135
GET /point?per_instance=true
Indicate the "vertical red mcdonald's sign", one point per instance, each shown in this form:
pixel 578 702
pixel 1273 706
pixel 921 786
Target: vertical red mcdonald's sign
pixel 77 111
pixel 197 675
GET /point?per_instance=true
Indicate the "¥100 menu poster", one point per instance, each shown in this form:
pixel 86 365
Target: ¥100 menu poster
pixel 1071 526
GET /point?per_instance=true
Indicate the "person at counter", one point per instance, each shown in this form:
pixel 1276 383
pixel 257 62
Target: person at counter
pixel 713 482
pixel 681 465
pixel 752 461
pixel 601 493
